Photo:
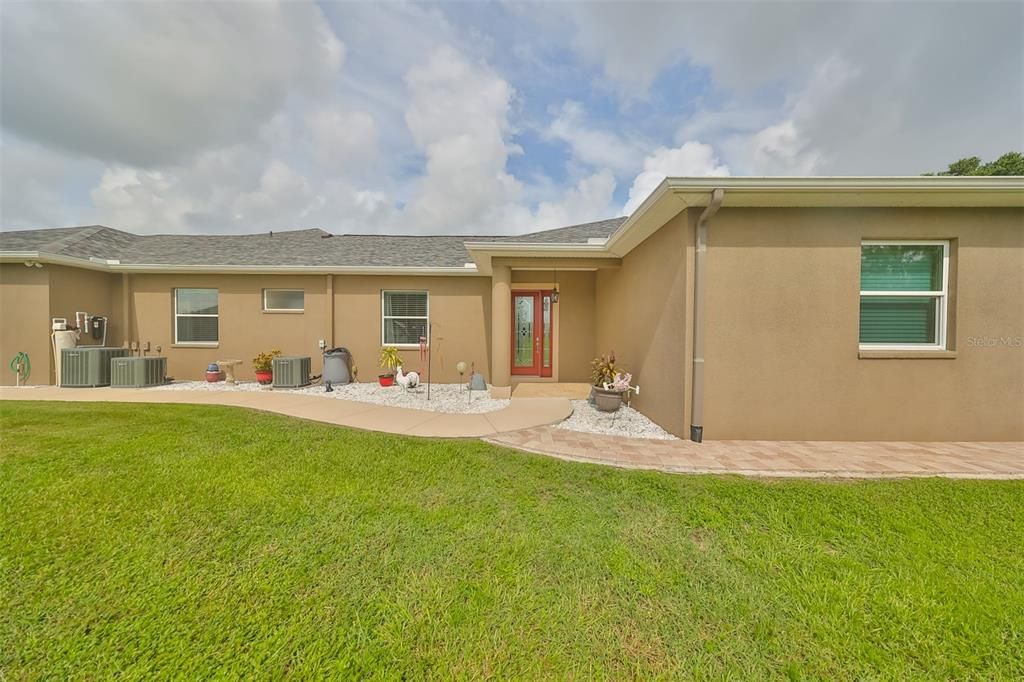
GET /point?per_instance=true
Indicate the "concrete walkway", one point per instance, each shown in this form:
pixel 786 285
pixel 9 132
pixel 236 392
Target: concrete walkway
pixel 520 414
pixel 808 459
pixel 525 425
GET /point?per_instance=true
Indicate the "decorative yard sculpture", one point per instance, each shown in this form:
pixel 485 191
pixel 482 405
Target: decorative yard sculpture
pixel 407 381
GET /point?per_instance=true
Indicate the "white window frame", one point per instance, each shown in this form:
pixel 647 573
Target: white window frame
pixel 942 296
pixel 384 318
pixel 177 341
pixel 283 310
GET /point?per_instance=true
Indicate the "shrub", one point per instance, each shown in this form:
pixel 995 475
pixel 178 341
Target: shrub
pixel 265 361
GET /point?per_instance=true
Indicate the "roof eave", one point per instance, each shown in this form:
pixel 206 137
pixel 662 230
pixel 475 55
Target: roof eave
pixel 161 268
pixel 854 192
pixel 483 253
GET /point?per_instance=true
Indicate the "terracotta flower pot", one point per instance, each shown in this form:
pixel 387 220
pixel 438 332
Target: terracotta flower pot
pixel 607 401
pixel 386 379
pixel 213 374
pixel 265 377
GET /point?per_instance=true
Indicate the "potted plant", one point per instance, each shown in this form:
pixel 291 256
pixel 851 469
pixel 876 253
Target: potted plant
pixel 610 384
pixel 264 366
pixel 389 361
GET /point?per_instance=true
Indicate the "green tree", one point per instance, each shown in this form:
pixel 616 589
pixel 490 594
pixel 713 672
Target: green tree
pixel 1010 163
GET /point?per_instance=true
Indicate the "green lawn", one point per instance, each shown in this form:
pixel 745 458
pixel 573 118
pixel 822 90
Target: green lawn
pixel 155 541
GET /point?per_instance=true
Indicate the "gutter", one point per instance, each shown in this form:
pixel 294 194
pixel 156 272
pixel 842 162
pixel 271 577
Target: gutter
pixel 109 265
pixel 699 284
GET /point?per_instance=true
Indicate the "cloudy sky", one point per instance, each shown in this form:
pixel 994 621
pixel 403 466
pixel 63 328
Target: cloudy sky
pixel 476 118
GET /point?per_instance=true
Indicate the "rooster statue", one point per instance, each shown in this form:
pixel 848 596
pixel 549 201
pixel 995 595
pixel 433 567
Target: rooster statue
pixel 407 381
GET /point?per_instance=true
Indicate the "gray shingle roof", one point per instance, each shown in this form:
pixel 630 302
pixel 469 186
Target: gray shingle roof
pixel 574 234
pixel 290 248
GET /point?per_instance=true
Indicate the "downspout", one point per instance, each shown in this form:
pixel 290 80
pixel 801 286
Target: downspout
pixel 330 311
pixel 127 305
pixel 697 398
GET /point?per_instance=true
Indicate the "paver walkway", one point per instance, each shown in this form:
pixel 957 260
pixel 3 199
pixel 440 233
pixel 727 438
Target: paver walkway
pixel 777 458
pixel 519 414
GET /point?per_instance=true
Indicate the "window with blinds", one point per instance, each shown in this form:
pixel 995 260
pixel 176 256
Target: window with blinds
pixel 903 293
pixel 404 317
pixel 196 316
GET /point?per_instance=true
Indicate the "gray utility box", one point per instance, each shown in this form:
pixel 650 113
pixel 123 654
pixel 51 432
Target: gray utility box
pixel 337 366
pixel 291 371
pixel 138 372
pixel 87 366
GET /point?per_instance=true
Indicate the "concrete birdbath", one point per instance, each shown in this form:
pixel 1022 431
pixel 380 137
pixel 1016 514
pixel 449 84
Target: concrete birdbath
pixel 229 370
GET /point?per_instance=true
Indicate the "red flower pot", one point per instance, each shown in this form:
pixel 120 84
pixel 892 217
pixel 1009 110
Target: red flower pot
pixel 212 377
pixel 386 379
pixel 265 377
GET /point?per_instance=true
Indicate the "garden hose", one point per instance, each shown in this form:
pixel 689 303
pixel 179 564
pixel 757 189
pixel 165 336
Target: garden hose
pixel 20 363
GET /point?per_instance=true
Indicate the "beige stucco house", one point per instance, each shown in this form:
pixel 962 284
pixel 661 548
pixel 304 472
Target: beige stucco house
pixel 746 308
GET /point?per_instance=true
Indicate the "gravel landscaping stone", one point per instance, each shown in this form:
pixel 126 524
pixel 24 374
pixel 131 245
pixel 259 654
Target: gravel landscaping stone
pixel 625 422
pixel 450 398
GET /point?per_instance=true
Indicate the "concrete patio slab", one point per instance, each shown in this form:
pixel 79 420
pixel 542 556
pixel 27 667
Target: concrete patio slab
pixel 550 389
pixel 535 411
pixel 452 426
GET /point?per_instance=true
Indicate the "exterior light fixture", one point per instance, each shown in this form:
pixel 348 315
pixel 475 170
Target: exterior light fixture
pixel 554 292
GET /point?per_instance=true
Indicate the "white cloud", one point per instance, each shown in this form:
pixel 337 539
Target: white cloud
pixel 930 83
pixel 589 145
pixel 343 141
pixel 149 83
pixel 134 198
pixel 690 159
pixel 458 117
pixel 33 180
pixel 238 116
pixel 589 200
pixel 781 150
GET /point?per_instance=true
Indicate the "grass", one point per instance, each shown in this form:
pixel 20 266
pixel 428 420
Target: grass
pixel 157 541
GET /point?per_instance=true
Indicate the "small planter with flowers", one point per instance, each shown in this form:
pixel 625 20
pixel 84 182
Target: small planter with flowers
pixel 611 385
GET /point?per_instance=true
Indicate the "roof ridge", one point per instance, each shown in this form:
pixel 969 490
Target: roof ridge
pixel 87 231
pixel 410 236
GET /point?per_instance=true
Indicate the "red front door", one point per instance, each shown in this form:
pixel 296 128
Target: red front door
pixel 532 346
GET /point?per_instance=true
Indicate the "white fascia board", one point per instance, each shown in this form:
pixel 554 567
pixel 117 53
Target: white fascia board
pixel 657 209
pixel 294 270
pixel 116 266
pixel 851 192
pixel 850 182
pixel 483 252
pixel 51 258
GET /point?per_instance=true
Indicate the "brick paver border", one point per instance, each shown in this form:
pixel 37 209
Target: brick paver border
pixel 806 459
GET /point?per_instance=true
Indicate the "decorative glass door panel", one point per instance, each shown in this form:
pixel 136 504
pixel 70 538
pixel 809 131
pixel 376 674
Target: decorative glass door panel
pixel 525 331
pixel 532 322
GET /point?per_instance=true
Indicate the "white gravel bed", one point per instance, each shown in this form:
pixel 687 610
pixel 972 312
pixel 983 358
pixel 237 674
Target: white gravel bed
pixel 450 398
pixel 625 422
